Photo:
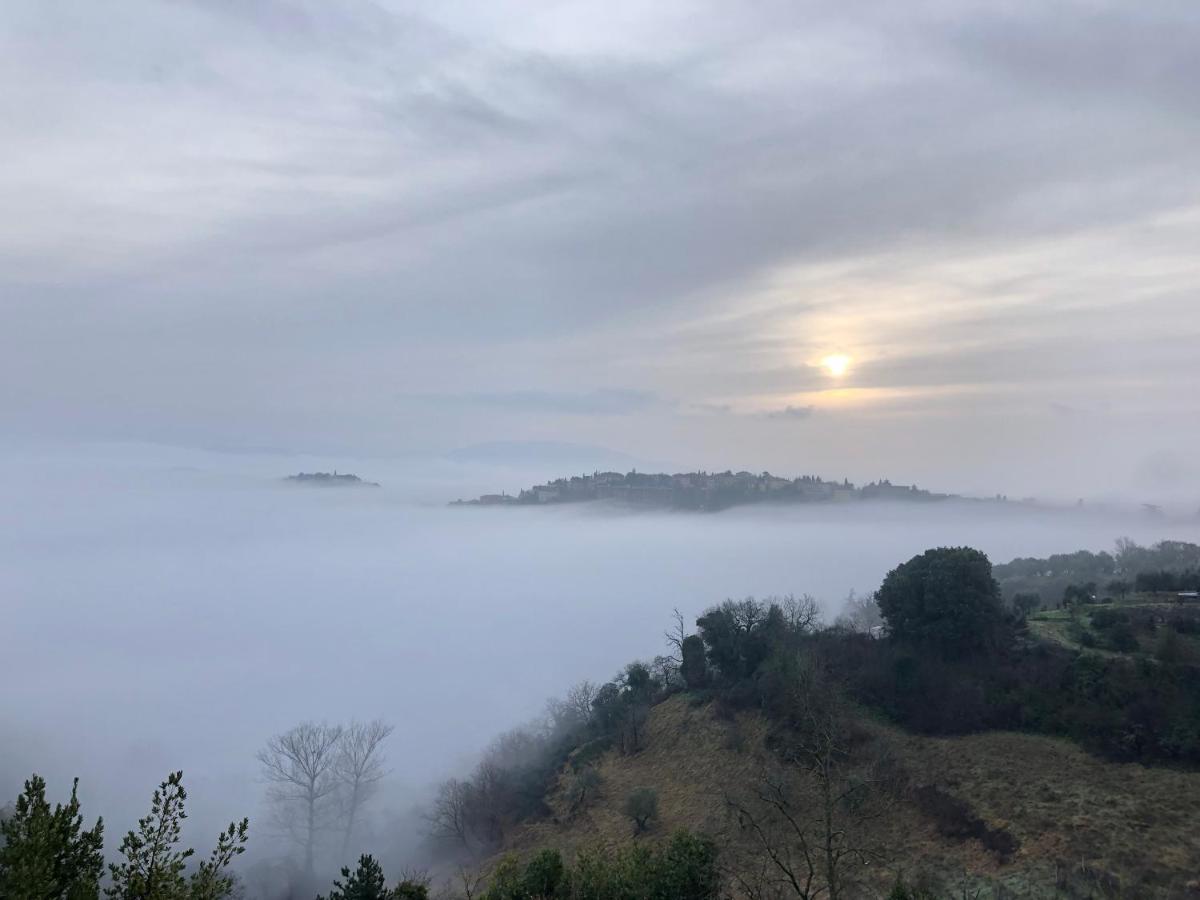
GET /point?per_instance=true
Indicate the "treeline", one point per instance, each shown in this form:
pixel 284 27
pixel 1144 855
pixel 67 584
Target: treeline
pixel 1164 580
pixel 682 868
pixel 1083 574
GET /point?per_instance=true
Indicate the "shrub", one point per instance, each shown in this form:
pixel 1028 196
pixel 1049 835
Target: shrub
pixel 956 820
pixel 583 788
pixel 1109 618
pixel 902 891
pixel 684 867
pixel 1122 639
pixel 642 807
pixel 543 875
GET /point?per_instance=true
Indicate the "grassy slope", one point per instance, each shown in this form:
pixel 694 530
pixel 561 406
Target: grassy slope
pixel 1054 625
pixel 1067 808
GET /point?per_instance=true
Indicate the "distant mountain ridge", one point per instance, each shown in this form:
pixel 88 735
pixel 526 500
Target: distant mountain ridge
pixel 704 490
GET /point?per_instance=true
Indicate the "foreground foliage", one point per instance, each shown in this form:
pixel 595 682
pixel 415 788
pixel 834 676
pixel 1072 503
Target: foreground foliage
pixel 46 853
pixel 367 882
pixel 47 856
pixel 683 867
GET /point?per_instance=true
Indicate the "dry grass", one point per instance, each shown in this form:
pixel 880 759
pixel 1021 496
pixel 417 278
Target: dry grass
pixel 1132 826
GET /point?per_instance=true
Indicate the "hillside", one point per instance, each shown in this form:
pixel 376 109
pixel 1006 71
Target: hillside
pixel 963 748
pixel 1084 827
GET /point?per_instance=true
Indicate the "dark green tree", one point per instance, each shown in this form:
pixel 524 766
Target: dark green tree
pixel 695 667
pixel 687 867
pixel 735 634
pixel 1025 603
pixel 684 868
pixel 45 853
pixel 367 882
pixel 1119 588
pixel 153 866
pixel 945 600
pixel 543 875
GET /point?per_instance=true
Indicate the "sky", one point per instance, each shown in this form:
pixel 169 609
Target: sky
pixel 381 228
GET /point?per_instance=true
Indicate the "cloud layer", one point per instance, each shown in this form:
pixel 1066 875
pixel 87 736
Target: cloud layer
pixel 328 224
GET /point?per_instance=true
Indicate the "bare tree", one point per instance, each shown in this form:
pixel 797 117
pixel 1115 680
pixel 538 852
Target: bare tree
pixel 299 765
pixel 581 697
pixel 488 800
pixel 472 883
pixel 358 768
pixel 860 614
pixel 449 815
pixel 675 637
pixel 802 614
pixel 814 815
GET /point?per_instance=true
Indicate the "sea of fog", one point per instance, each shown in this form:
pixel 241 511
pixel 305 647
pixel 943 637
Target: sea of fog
pixel 167 610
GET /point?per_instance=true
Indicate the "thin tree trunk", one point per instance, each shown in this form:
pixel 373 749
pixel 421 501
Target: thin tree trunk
pixel 350 823
pixel 310 837
pixel 831 875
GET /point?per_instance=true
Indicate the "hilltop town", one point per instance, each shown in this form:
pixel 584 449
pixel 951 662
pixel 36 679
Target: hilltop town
pixel 329 479
pixel 702 490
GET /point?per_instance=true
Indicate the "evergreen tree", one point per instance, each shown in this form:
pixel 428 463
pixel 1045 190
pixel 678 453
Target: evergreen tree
pixel 154 867
pixel 694 667
pixel 45 854
pixel 944 600
pixel 367 882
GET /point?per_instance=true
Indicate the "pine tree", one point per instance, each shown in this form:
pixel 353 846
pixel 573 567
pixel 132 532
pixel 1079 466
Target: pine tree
pixel 154 868
pixel 367 882
pixel 44 854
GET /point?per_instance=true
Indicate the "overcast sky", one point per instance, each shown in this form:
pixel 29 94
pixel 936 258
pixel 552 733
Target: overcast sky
pixel 376 228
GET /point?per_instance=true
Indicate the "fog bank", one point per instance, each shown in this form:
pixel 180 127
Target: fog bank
pixel 169 609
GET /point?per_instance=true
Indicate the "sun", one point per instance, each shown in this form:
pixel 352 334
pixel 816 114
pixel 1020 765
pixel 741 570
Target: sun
pixel 836 365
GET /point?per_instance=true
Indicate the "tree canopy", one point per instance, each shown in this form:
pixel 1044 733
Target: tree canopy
pixel 46 852
pixel 944 599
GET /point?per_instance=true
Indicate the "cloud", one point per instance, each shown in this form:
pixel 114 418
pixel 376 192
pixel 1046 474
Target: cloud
pixel 599 402
pixel 792 412
pixel 252 223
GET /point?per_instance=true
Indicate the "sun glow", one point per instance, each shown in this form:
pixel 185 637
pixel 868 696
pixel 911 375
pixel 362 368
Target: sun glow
pixel 836 365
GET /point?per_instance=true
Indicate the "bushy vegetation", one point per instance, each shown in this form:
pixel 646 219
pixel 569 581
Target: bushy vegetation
pixel 952 659
pixel 47 854
pixel 510 782
pixel 368 882
pixel 642 807
pixel 685 866
pixel 1162 580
